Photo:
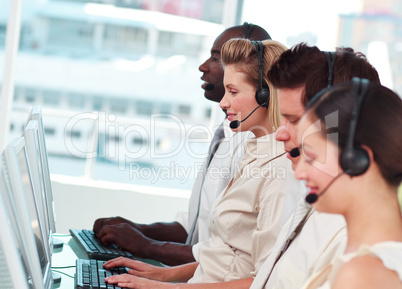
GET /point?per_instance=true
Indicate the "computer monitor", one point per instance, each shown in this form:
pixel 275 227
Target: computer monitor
pixel 34 242
pixel 36 114
pixel 31 135
pixel 13 271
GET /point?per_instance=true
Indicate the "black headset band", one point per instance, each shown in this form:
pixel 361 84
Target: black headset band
pixel 360 87
pixel 248 27
pixel 330 56
pixel 259 47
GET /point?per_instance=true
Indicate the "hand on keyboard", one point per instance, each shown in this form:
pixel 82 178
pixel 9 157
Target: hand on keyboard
pixel 130 281
pixel 95 249
pixel 99 223
pixel 90 274
pixel 126 237
pixel 138 268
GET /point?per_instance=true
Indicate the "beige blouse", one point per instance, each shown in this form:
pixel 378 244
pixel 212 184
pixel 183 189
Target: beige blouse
pixel 249 214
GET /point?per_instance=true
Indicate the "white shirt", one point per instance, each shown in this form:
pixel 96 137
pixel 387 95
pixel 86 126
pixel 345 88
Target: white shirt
pixel 211 181
pixel 322 238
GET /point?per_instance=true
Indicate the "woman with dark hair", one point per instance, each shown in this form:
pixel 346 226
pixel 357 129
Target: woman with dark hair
pixel 351 159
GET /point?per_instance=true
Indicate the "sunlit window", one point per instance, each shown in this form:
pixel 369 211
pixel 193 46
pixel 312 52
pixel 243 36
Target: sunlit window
pixel 67 34
pixel 121 78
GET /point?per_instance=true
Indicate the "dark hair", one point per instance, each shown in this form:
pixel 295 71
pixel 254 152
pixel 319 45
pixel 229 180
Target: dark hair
pixel 307 66
pixel 379 126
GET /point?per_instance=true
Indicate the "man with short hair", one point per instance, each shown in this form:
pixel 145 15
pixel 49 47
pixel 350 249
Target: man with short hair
pixel 172 243
pixel 310 240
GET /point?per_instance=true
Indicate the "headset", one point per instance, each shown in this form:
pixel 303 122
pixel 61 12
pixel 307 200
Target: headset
pixel 262 95
pixel 355 160
pixel 248 27
pixel 330 56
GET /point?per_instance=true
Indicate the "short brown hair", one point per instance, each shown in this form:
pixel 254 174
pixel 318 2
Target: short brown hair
pixel 307 66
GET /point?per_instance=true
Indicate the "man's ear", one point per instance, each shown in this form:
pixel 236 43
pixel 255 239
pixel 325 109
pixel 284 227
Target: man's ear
pixel 369 152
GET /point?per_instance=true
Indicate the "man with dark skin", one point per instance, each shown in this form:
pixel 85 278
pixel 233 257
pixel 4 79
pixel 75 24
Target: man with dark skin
pixel 170 243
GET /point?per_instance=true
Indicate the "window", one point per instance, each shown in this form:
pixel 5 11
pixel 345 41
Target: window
pixel 76 100
pixel 75 134
pixel 72 34
pixel 144 107
pixel 118 106
pixel 208 112
pixel 50 131
pixel 97 103
pixel 130 40
pixel 139 141
pixel 30 96
pixel 184 109
pixel 74 61
pixel 51 98
pixel 2 35
pixel 165 39
pixel 113 138
pixel 165 108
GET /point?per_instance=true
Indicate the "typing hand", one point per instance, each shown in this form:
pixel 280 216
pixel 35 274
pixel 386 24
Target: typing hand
pixel 130 281
pixel 138 268
pixel 126 237
pixel 99 223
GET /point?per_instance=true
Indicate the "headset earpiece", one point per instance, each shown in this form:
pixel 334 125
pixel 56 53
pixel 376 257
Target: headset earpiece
pixel 262 95
pixel 355 160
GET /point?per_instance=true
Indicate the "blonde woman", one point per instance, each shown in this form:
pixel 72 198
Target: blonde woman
pixel 248 215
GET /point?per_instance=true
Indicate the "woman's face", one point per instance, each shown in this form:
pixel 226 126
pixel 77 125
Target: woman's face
pixel 239 101
pixel 319 165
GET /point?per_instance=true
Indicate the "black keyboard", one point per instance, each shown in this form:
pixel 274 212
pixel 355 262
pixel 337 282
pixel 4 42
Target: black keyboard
pixel 95 249
pixel 90 274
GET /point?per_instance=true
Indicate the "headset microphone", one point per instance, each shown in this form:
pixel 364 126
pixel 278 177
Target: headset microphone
pixel 294 153
pixel 312 198
pixel 236 123
pixel 211 86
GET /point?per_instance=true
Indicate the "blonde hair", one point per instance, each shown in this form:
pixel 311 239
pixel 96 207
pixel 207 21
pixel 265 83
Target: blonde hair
pixel 242 53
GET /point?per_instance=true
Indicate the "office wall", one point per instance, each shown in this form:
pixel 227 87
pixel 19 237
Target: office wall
pixel 79 202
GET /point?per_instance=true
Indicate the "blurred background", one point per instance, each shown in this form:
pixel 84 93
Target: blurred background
pixel 119 84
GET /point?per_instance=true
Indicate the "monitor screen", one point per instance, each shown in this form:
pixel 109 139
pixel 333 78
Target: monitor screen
pixel 13 270
pixel 32 207
pixel 31 135
pixel 27 216
pixel 36 114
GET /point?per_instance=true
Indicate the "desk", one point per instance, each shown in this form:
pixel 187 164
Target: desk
pixel 67 256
